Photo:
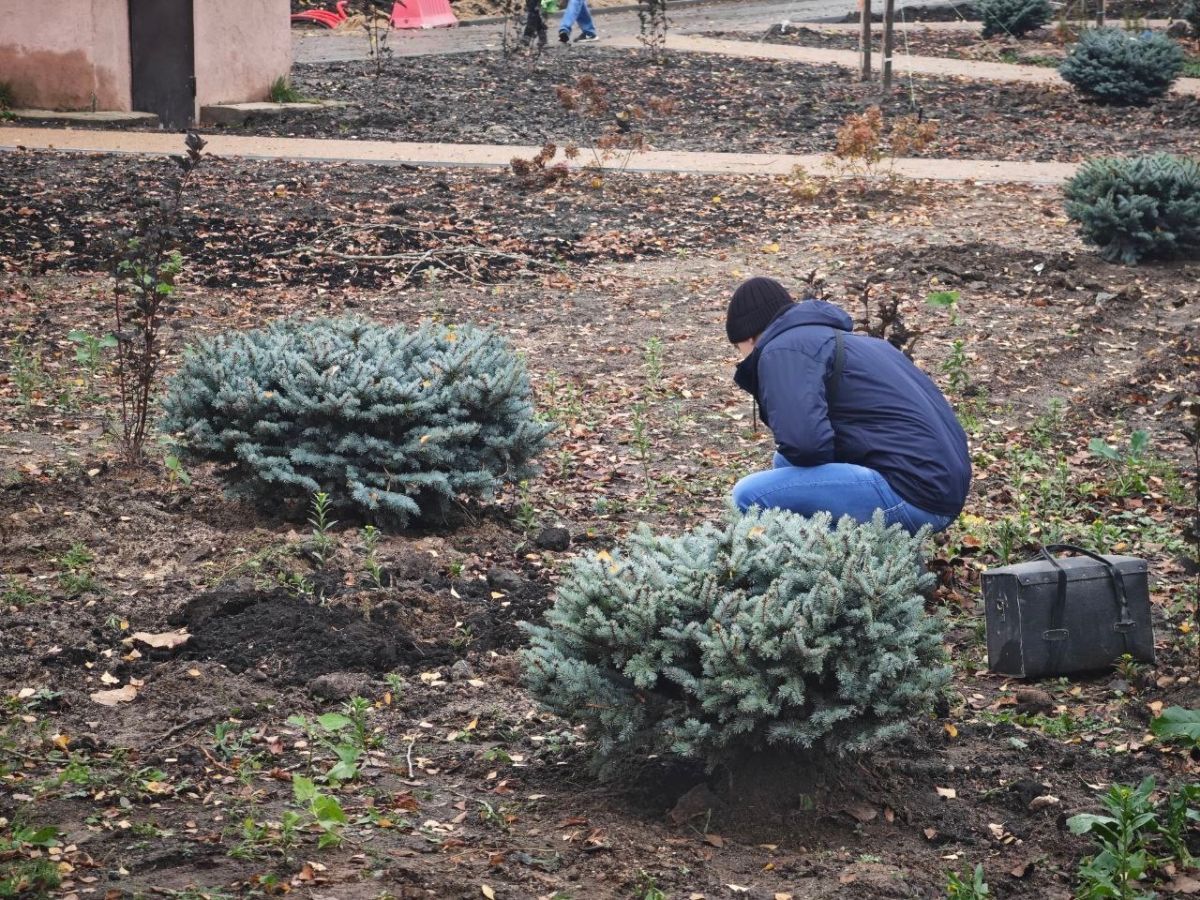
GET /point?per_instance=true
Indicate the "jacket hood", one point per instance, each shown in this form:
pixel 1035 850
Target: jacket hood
pixel 807 312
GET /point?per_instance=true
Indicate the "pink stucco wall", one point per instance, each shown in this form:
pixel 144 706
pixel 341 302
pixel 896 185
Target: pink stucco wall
pixel 242 46
pixel 70 58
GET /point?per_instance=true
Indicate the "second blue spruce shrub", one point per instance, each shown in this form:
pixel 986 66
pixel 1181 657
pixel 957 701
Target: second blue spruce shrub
pixel 392 422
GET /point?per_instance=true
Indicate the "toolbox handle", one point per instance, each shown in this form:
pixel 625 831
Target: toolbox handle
pixel 1056 631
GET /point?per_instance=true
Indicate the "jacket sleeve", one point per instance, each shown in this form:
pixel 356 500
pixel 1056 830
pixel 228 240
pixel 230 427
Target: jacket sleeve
pixel 791 387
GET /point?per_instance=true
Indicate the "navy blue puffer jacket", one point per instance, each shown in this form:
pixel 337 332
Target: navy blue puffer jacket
pixel 887 415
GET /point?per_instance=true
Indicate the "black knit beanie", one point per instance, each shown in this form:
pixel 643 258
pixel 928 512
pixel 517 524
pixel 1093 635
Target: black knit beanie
pixel 754 306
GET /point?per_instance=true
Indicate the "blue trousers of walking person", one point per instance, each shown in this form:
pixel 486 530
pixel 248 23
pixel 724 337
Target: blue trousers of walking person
pixel 577 12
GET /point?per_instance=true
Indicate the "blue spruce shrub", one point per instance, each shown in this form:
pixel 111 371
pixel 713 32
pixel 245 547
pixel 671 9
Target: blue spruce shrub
pixel 775 630
pixel 394 422
pixel 1144 207
pixel 1124 67
pixel 1013 17
pixel 1191 14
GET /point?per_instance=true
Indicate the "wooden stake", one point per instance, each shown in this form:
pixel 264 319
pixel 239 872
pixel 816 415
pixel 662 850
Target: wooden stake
pixel 864 39
pixel 889 42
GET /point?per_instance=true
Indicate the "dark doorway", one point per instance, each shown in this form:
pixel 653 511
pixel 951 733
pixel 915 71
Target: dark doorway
pixel 163 60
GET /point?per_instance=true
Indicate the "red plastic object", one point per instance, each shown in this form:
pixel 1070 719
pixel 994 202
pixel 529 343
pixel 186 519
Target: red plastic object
pixel 324 16
pixel 422 14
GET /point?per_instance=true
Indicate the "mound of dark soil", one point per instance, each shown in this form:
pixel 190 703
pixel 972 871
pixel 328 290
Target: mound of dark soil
pixel 410 627
pixel 295 640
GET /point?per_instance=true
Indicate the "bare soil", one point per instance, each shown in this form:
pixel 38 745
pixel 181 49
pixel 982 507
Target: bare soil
pixel 472 785
pixel 717 103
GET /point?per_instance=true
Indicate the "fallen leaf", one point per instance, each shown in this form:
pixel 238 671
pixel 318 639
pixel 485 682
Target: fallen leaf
pixel 779 896
pixel 996 830
pixel 487 892
pixel 738 889
pixel 1022 870
pixel 950 730
pixel 861 812
pixel 930 833
pixel 1182 884
pixel 166 640
pixel 108 678
pixel 1043 802
pixel 948 793
pixel 112 698
pixel 715 839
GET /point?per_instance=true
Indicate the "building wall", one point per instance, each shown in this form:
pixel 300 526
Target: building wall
pixel 72 58
pixel 242 46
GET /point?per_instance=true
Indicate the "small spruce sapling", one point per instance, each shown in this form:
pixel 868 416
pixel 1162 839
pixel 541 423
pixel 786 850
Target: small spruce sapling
pixel 1116 66
pixel 392 423
pixel 1014 18
pixel 775 630
pixel 1142 207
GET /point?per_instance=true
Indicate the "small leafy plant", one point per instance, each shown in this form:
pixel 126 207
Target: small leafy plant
pixel 322 811
pixel 1177 724
pixel 370 539
pixel 89 350
pixel 947 300
pixel 322 523
pixel 283 92
pixel 75 571
pixel 540 171
pixel 1129 465
pixel 145 269
pixel 868 147
pixel 1131 836
pixel 346 734
pixel 1120 836
pixel 611 132
pixel 975 887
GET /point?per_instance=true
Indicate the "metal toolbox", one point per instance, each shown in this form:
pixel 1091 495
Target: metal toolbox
pixel 1057 616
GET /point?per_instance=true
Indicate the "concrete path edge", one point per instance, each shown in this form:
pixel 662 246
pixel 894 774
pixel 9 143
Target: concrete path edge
pixel 499 156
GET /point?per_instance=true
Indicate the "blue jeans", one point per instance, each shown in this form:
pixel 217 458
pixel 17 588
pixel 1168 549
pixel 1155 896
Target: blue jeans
pixel 577 11
pixel 840 489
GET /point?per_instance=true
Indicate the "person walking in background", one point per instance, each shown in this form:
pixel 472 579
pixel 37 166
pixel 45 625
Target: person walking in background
pixel 535 24
pixel 577 12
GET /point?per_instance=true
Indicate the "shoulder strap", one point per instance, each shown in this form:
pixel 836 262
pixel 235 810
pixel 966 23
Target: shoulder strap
pixel 839 362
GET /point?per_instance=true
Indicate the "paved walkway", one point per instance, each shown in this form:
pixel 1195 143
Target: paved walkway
pixel 903 64
pixel 314 46
pixel 498 156
pixel 956 25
